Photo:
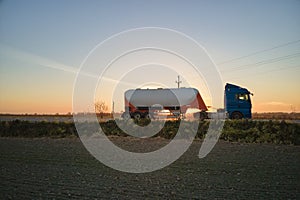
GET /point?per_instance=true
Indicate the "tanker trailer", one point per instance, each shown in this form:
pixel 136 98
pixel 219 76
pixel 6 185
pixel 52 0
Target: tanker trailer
pixel 141 103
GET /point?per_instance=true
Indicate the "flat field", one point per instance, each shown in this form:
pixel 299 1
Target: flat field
pixel 62 168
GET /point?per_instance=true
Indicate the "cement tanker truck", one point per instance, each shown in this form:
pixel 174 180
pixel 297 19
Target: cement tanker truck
pixel 145 103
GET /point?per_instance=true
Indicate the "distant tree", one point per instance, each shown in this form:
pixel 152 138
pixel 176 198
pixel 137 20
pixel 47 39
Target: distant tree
pixel 101 107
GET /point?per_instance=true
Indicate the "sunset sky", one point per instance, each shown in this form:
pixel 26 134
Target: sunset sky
pixel 255 44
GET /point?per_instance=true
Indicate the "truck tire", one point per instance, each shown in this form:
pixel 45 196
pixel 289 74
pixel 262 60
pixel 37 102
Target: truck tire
pixel 137 116
pixel 126 116
pixel 148 116
pixel 236 115
pixel 200 115
pixel 203 115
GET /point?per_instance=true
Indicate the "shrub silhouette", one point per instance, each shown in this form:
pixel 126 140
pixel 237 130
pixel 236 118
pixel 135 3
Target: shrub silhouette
pixel 249 131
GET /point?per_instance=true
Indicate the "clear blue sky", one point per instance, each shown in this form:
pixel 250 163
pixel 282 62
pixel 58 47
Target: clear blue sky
pixel 34 34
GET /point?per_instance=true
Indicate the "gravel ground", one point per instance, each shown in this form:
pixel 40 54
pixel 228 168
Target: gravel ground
pixel 62 169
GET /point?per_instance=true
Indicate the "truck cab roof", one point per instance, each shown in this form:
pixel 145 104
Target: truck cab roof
pixel 230 87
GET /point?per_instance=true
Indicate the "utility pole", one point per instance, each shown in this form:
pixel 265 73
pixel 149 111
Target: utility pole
pixel 178 81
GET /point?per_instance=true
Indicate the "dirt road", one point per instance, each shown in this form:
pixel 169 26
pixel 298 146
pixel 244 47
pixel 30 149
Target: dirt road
pixel 63 169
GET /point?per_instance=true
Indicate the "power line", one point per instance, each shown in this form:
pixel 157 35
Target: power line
pixel 269 71
pixel 258 52
pixel 279 69
pixel 263 62
pixel 282 68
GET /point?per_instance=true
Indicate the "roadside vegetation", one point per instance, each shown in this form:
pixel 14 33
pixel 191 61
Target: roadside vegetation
pixel 277 115
pixel 248 131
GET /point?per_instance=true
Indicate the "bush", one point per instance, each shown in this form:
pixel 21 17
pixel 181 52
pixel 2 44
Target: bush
pixel 249 131
pixel 277 132
pixel 19 128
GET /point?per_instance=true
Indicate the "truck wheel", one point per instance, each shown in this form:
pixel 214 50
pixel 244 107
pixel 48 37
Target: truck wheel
pixel 137 116
pixel 203 115
pixel 126 116
pixel 200 115
pixel 236 115
pixel 148 116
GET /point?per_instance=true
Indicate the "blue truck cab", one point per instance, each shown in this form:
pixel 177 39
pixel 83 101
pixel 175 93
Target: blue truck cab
pixel 237 102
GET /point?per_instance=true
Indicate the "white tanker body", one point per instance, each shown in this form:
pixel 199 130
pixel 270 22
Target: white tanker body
pixel 141 103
